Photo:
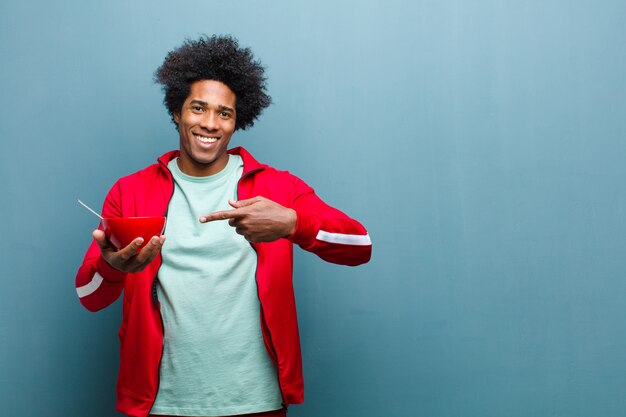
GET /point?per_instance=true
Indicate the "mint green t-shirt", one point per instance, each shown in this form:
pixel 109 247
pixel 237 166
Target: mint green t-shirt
pixel 214 359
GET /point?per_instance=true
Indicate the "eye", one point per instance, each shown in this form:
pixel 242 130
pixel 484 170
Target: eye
pixel 197 109
pixel 224 115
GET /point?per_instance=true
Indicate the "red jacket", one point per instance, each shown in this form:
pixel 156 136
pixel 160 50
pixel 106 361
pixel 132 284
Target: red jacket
pixel 320 229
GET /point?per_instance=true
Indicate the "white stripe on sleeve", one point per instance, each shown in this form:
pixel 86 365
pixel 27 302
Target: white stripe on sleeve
pixel 343 239
pixel 93 285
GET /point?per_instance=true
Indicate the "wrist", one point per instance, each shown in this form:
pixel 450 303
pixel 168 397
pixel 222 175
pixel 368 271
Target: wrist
pixel 108 271
pixel 291 223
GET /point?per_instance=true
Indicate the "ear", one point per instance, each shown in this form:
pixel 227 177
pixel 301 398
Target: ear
pixel 176 117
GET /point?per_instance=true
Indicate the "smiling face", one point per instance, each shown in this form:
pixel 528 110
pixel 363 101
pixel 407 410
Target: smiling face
pixel 205 124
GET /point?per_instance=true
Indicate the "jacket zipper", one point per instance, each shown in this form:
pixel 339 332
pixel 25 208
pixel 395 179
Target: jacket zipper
pixel 155 296
pixel 262 312
pixel 264 325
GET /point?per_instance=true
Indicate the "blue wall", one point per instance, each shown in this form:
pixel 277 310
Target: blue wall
pixel 482 143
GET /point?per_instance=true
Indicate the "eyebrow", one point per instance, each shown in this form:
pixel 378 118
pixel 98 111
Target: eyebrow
pixel 222 107
pixel 219 107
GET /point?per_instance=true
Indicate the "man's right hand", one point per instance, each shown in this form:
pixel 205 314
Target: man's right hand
pixel 128 259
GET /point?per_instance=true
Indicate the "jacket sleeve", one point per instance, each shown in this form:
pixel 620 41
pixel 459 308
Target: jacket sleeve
pixel 326 231
pixel 97 283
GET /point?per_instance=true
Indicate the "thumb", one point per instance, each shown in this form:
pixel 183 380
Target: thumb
pixel 100 238
pixel 241 203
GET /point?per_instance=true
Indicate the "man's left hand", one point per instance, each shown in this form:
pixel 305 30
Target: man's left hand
pixel 257 219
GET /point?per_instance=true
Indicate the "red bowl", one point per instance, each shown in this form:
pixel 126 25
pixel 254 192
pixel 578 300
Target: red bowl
pixel 121 231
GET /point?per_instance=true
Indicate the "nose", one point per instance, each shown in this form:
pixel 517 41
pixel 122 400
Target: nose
pixel 209 121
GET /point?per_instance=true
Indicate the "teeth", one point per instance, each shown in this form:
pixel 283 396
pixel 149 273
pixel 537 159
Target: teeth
pixel 204 139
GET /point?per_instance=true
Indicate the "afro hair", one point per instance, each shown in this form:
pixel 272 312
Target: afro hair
pixel 217 58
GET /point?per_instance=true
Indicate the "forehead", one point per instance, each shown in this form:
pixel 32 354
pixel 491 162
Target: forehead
pixel 212 92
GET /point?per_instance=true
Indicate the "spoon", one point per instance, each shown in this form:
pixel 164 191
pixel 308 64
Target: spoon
pixel 89 208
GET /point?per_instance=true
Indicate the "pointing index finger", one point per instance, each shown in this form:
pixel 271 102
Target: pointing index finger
pixel 221 215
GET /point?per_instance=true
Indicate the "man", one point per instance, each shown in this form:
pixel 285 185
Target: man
pixel 209 320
